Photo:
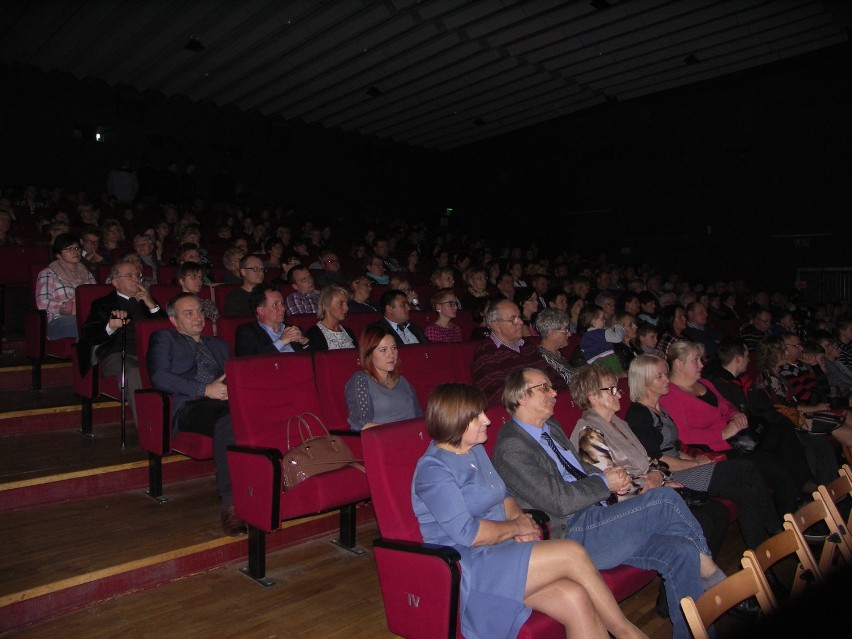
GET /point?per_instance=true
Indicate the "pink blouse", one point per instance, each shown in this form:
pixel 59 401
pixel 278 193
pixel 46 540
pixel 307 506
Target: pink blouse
pixel 697 421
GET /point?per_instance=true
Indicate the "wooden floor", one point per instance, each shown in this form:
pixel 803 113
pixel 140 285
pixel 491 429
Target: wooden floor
pixel 322 591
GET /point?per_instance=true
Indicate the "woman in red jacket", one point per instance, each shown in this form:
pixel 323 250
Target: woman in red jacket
pixel 704 417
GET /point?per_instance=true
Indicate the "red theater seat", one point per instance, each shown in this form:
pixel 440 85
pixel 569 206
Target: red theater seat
pixel 332 370
pixel 264 392
pixel 90 385
pixel 303 320
pixel 419 582
pixel 357 322
pixel 153 408
pixel 427 365
pixel 37 347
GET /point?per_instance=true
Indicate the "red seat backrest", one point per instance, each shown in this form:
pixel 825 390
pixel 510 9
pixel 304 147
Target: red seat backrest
pixel 464 353
pixel 625 397
pixel 166 273
pixel 220 294
pixel 162 293
pixel 302 320
pixel 498 416
pixel 426 366
pixel 217 274
pixel 226 329
pixel 566 412
pixel 357 322
pixel 142 333
pixel 332 369
pixel 391 452
pixel 264 391
pixel 15 264
pixel 85 295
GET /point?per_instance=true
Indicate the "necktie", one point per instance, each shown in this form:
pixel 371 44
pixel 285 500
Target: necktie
pixel 401 327
pixel 574 471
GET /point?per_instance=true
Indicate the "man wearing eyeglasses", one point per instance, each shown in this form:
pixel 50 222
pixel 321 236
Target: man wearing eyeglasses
pixel 543 470
pixel 238 303
pixel 758 328
pixel 90 241
pixel 503 351
pixel 110 319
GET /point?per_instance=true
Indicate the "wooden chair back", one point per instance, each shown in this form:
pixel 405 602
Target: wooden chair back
pixel 701 614
pixel 773 550
pixel 832 494
pixel 833 547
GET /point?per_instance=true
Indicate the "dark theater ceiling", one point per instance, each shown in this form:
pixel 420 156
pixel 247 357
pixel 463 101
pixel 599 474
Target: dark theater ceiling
pixel 431 73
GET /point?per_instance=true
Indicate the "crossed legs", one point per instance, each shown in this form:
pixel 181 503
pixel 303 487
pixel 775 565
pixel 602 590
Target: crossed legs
pixel 563 583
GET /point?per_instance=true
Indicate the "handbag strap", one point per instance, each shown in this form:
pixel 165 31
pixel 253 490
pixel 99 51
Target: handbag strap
pixel 303 421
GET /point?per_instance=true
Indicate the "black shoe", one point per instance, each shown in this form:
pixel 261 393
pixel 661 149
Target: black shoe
pixel 748 609
pixel 662 602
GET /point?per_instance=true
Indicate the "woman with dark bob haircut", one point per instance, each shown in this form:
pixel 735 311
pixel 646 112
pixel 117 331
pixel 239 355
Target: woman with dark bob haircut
pixel 460 501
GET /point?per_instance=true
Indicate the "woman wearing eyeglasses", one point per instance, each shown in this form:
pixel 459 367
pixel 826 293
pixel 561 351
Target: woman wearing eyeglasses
pixel 461 501
pixel 55 287
pixel 445 303
pixel 552 325
pixel 605 440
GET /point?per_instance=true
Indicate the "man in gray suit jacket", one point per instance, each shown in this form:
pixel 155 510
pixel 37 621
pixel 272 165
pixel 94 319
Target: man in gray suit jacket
pixel 542 470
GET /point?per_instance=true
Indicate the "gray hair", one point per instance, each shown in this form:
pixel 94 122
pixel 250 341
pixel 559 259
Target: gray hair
pixel 492 312
pixel 604 296
pixel 551 319
pixel 515 387
pixel 170 307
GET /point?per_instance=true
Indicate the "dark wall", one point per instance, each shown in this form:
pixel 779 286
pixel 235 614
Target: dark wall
pixel 698 179
pixel 698 175
pixel 47 132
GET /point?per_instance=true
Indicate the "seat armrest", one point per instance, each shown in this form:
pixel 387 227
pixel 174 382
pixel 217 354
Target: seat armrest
pixel 343 432
pixel 256 485
pixel 541 519
pixel 352 439
pixel 447 554
pixel 420 587
pixel 35 333
pixel 153 409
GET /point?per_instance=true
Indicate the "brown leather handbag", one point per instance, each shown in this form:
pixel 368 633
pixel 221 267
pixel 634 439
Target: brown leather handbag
pixel 793 414
pixel 316 454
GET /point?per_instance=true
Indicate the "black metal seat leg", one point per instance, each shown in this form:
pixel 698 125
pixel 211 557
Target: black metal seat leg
pixel 346 538
pixel 256 568
pixel 86 417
